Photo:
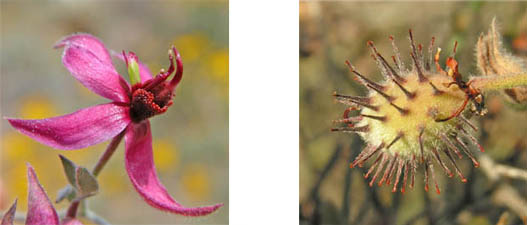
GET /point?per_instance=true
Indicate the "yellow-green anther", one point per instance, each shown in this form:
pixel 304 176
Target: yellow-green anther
pixel 133 71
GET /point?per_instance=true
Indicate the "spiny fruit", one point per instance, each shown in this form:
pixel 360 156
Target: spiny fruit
pixel 413 118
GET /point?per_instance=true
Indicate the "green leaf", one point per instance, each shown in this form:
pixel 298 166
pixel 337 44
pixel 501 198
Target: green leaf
pixel 69 169
pixel 86 183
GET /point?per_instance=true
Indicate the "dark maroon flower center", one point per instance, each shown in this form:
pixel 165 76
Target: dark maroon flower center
pixel 154 96
pixel 149 102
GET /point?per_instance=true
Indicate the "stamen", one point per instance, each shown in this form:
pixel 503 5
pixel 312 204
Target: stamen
pixel 463 179
pixel 363 80
pixel 399 170
pixel 440 162
pixel 179 72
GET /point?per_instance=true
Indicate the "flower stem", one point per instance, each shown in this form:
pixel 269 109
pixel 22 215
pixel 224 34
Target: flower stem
pixel 74 206
pixel 494 82
pixel 72 210
pixel 108 153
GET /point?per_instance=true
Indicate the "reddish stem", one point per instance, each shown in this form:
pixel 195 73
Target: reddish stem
pixel 108 153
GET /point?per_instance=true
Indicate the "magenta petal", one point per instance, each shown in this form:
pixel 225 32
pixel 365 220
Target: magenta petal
pixel 87 41
pixel 9 216
pixel 94 72
pixel 80 129
pixel 144 72
pixel 40 211
pixel 140 167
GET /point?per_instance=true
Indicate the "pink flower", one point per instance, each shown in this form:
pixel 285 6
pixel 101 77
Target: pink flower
pixel 90 63
pixel 39 209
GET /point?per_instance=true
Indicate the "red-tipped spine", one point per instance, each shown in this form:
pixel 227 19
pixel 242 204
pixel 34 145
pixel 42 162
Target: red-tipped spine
pixel 375 163
pixel 450 145
pixel 456 168
pixel 440 162
pixel 363 80
pixel 381 166
pixel 399 171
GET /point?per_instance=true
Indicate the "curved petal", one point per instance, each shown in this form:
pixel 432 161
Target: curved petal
pixel 80 129
pixel 9 216
pixel 144 72
pixel 87 41
pixel 140 167
pixel 88 61
pixel 40 211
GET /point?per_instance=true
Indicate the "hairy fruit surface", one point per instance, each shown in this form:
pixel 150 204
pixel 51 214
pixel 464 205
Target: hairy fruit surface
pixel 413 118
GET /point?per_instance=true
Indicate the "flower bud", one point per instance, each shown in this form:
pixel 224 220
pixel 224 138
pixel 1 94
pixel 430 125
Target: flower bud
pixel 133 67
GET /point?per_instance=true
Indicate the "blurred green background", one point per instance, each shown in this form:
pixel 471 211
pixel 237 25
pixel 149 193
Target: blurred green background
pixel 332 32
pixel 190 139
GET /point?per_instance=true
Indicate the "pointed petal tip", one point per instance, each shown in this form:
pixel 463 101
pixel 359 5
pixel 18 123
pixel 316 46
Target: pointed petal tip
pixel 140 168
pixel 67 39
pixel 9 216
pixel 40 209
pixel 77 130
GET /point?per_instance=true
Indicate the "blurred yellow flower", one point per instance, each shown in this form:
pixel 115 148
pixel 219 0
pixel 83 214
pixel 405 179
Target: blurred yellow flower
pixel 36 107
pixel 196 181
pixel 166 155
pixel 17 185
pixel 17 147
pixel 192 46
pixel 218 64
pixel 113 182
